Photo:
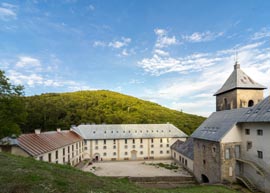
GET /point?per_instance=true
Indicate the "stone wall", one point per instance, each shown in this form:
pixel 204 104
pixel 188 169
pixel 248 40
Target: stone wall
pixel 238 98
pixel 207 160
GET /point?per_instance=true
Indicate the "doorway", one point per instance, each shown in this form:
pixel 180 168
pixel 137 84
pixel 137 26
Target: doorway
pixel 97 157
pixel 205 179
pixel 133 155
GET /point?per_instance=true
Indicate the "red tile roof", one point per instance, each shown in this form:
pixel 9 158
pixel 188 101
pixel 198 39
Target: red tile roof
pixel 37 144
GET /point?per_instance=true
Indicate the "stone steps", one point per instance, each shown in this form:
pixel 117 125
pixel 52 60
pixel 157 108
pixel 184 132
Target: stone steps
pixel 248 183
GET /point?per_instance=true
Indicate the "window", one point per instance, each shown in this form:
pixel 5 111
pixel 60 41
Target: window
pixel 56 154
pixel 260 132
pixel 161 152
pixel 104 154
pixel 161 145
pixel 114 141
pixel 126 146
pixel 96 141
pixel 133 141
pixel 249 145
pixel 160 140
pixel 104 147
pixel 64 152
pixel 168 145
pixel 76 145
pixel 141 152
pixel 114 153
pixel 96 147
pixel 141 140
pixel 247 131
pixel 68 149
pixel 141 146
pixel 72 147
pixel 185 162
pixel 50 157
pixel 204 162
pixel 152 152
pixel 167 151
pixel 167 140
pixel 174 154
pixel 180 157
pixel 260 154
pixel 64 161
pixel 227 153
pixel 152 140
pixel 125 141
pixel 152 145
pixel 104 141
pixel 133 146
pixel 41 158
pixel 114 147
pixel 126 153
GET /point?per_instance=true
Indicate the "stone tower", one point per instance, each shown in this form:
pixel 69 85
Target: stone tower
pixel 238 91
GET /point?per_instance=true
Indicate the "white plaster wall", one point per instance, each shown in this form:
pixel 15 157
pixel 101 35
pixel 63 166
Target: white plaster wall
pixel 73 157
pixel 259 143
pixel 123 150
pixel 234 135
pixel 175 156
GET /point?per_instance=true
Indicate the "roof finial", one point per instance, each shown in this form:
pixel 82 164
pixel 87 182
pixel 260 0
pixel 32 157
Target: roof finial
pixel 236 65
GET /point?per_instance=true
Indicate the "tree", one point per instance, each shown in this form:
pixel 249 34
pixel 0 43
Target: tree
pixel 12 109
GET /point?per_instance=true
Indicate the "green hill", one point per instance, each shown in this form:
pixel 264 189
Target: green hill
pixel 51 111
pixel 23 175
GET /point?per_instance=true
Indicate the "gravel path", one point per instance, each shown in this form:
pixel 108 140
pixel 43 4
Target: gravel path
pixel 135 169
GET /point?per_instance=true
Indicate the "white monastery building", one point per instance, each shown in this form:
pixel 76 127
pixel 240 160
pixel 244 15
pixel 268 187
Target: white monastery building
pixel 128 141
pixel 62 147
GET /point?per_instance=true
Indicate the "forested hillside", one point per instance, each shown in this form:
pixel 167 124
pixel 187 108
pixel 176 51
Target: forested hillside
pixel 51 111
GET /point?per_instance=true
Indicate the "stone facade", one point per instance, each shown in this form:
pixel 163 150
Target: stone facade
pixel 238 98
pixel 207 161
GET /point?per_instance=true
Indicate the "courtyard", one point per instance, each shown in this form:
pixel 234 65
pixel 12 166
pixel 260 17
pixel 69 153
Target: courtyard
pixel 137 168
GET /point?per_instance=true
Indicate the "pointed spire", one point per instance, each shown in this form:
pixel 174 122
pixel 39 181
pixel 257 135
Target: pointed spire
pixel 236 65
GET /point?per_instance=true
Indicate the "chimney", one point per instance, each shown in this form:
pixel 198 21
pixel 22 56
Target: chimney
pixel 58 129
pixel 37 131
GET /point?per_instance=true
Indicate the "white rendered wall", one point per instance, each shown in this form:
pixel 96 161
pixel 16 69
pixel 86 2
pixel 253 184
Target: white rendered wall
pixel 120 150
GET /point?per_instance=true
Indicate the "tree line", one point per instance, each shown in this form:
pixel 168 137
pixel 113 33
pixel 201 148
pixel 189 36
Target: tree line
pixel 61 110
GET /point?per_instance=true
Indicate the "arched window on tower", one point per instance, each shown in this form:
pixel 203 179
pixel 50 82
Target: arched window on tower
pixel 250 103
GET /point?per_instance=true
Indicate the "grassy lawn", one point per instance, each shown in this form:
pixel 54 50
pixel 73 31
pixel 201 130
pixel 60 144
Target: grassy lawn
pixel 25 175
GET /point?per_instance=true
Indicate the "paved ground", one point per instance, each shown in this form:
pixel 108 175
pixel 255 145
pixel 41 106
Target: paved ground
pixel 134 169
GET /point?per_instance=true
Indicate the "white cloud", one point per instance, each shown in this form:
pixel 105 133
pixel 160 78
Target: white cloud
pixel 161 52
pixel 26 61
pixel 121 43
pixel 99 43
pixel 202 37
pixel 163 40
pixel 91 7
pixel 8 11
pixel 265 32
pixel 117 44
pixel 203 74
pixel 158 65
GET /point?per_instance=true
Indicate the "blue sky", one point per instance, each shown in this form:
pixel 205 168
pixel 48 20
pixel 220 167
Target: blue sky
pixel 176 53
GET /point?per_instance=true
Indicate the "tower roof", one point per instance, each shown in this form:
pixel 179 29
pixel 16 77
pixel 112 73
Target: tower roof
pixel 239 79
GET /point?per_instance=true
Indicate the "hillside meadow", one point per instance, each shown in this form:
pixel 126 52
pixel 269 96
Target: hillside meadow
pixel 26 175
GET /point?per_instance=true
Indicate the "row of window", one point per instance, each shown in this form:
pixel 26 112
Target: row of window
pixel 133 146
pixel 133 141
pixel 141 153
pixel 77 152
pixel 129 131
pixel 181 159
pixel 259 132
